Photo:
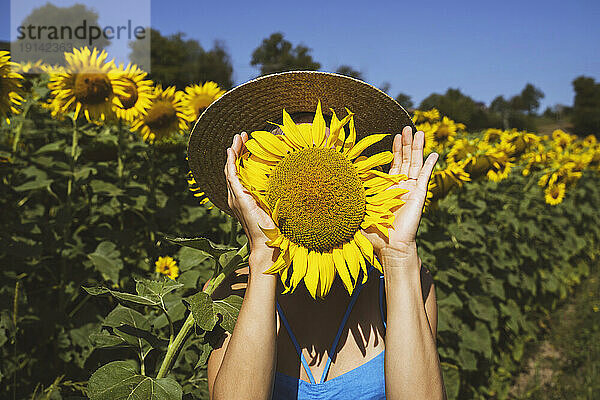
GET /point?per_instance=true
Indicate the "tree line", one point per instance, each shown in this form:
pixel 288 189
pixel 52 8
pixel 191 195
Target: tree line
pixel 179 62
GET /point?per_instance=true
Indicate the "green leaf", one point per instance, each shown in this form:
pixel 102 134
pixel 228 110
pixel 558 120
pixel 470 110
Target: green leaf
pixel 229 308
pixel 119 380
pixel 451 379
pixel 201 306
pixel 202 244
pixel 132 298
pixel 105 339
pixel 483 307
pixel 205 350
pixel 107 261
pixel 55 146
pixel 33 185
pixel 156 290
pixel 105 188
pixel 123 316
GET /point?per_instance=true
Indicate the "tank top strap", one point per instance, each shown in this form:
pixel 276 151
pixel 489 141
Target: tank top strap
pixel 381 293
pixel 344 320
pixel 298 349
pixel 340 329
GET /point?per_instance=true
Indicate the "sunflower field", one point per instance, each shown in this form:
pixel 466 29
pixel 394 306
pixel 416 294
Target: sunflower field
pixel 108 242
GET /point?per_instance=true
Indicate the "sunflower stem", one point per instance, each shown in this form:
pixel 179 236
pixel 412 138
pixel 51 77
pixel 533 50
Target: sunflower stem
pixel 120 167
pixel 73 158
pixel 19 128
pixel 176 344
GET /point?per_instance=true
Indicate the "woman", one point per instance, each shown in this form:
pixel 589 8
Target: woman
pixel 375 354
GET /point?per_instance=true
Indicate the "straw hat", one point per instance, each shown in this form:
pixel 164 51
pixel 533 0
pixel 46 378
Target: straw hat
pixel 250 106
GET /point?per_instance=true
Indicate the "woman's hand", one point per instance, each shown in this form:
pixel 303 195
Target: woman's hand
pixel 242 203
pixel 408 160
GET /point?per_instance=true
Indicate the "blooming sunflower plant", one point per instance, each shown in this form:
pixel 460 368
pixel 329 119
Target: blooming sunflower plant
pixel 10 86
pixel 321 195
pixel 86 85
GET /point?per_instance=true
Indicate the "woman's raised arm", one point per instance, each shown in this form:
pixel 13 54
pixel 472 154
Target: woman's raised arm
pixel 248 365
pixel 412 365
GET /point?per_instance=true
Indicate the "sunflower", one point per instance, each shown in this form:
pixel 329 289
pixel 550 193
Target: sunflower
pixel 445 179
pixel 198 97
pixel 562 139
pixel 432 115
pixel 492 135
pixel 195 189
pixel 167 266
pixel 500 168
pixel 86 84
pixel 166 116
pixel 133 93
pixel 429 131
pixel 10 86
pixel 320 193
pixel 554 194
pixel 446 129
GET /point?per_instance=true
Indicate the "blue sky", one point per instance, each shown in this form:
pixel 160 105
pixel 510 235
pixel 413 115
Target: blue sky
pixel 484 48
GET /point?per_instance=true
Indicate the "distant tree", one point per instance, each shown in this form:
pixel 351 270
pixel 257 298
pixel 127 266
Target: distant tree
pixel 180 62
pixel 502 107
pixel 349 71
pixel 460 108
pixel 276 54
pixel 72 17
pixel 586 106
pixel 385 86
pixel 528 100
pixel 557 111
pixel 405 100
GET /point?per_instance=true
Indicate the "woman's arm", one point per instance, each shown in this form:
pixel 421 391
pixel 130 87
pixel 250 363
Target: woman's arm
pixel 247 369
pixel 412 365
pixel 248 365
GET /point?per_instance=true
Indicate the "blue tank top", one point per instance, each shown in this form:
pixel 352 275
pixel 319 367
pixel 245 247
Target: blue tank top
pixel 366 382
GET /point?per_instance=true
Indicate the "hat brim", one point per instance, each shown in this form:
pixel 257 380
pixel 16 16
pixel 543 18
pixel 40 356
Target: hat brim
pixel 250 106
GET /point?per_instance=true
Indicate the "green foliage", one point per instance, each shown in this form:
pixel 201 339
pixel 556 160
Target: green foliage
pixel 91 215
pixel 88 209
pixel 276 54
pixel 586 106
pixel 517 112
pixel 120 380
pixel 405 101
pixel 349 71
pixel 502 259
pixel 179 62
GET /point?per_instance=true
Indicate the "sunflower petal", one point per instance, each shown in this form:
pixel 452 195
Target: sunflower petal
pixel 342 270
pixel 311 280
pixel 351 259
pixel 373 161
pixel 271 143
pixel 256 149
pixel 327 272
pixel 300 266
pixel 363 144
pixel 318 127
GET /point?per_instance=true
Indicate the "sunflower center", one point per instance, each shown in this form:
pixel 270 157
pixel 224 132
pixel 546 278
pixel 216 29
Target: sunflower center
pixel 321 198
pixel 442 132
pixel 161 115
pixel 132 95
pixel 92 88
